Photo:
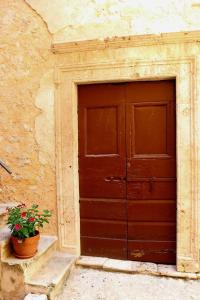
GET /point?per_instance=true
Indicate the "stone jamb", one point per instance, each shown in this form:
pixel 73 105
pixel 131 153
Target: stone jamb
pixel 67 79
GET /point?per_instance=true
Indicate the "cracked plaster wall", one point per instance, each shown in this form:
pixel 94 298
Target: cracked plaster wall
pixel 27 108
pixel 93 19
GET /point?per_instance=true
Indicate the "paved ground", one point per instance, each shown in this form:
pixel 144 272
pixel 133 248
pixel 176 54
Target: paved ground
pixel 88 284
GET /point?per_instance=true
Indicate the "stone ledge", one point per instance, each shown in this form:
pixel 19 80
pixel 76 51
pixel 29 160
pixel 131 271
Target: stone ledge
pixel 133 267
pixel 44 244
pixel 47 246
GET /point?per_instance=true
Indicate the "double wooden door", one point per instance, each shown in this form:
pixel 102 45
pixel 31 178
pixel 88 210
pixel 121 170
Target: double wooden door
pixel 127 170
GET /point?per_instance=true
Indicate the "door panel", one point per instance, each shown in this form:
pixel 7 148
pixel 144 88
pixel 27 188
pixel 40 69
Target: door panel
pixel 151 231
pixel 151 91
pixel 112 209
pixel 102 164
pixel 95 177
pixel 141 210
pixel 127 170
pixel 102 228
pixel 149 118
pixel 101 120
pixel 151 188
pixel 114 248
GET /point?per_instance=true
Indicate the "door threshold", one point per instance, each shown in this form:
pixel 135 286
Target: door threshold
pixel 133 267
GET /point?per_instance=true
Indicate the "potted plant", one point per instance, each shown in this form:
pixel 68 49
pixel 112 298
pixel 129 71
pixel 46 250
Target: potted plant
pixel 24 224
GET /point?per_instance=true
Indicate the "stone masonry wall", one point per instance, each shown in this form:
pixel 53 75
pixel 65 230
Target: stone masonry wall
pixel 26 108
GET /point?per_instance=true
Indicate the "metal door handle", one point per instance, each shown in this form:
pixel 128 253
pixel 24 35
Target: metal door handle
pixel 114 178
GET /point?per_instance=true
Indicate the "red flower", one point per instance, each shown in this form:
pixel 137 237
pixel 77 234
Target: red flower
pixel 31 220
pixel 18 227
pixel 23 215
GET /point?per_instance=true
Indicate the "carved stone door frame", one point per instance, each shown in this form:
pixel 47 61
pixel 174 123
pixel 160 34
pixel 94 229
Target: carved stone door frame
pixel 67 79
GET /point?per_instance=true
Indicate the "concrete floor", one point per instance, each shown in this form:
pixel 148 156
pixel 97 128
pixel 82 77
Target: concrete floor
pixel 88 284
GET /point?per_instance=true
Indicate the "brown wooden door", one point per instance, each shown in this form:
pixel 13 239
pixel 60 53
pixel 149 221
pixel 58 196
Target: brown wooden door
pixel 127 170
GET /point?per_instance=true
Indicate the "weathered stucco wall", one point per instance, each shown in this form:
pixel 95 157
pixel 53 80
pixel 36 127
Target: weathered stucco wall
pixel 92 19
pixel 26 108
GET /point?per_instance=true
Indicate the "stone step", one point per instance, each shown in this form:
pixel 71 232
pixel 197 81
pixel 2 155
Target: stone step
pixel 133 267
pixel 50 277
pixel 47 246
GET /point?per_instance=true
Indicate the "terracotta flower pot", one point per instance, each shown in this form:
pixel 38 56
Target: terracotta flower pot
pixel 25 248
